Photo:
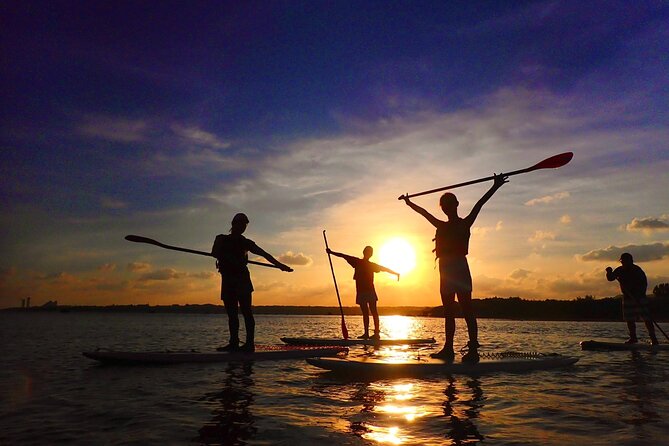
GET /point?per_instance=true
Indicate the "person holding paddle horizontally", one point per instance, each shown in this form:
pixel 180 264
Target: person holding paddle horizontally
pixel 231 253
pixel 633 285
pixel 364 286
pixel 452 247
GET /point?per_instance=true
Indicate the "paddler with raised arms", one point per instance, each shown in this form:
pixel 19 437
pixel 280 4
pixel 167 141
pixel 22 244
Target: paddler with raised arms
pixel 452 247
pixel 231 253
pixel 365 293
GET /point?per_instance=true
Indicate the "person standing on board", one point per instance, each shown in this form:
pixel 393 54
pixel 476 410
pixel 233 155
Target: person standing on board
pixel 452 247
pixel 364 286
pixel 231 253
pixel 633 285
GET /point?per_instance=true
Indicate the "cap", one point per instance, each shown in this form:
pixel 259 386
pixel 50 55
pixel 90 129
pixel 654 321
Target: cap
pixel 240 218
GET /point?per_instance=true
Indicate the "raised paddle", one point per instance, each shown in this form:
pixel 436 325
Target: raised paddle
pixel 344 330
pixel 150 241
pixel 549 163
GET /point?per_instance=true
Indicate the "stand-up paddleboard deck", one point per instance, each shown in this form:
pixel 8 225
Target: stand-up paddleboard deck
pixel 430 366
pixel 608 346
pixel 350 342
pixel 262 353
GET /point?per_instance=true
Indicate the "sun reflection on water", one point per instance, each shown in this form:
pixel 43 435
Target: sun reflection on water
pixel 399 327
pixel 394 411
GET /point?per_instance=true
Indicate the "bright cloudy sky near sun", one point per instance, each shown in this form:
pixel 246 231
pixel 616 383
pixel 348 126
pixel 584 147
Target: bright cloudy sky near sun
pixel 164 119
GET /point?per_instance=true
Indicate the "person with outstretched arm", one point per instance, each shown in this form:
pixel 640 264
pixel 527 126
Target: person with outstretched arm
pixel 366 295
pixel 633 285
pixel 452 247
pixel 231 253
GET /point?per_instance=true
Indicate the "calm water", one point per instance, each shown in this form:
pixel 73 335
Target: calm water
pixel 50 394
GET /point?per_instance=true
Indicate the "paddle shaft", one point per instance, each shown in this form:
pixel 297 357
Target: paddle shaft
pixel 334 279
pixel 140 239
pixel 549 163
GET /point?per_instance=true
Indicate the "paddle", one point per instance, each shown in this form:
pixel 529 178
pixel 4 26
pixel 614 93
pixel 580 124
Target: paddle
pixel 344 330
pixel 549 163
pixel 150 241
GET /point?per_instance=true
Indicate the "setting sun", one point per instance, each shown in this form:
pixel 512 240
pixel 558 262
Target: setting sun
pixel 398 255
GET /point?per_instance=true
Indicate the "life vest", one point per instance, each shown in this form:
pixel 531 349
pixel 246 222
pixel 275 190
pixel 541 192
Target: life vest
pixel 452 239
pixel 231 253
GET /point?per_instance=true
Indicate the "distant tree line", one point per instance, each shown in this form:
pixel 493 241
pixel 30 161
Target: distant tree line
pixel 582 308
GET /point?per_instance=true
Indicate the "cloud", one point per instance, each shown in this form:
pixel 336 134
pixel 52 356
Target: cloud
pixel 547 199
pixel 649 225
pixel 541 236
pixel 565 219
pixel 291 258
pixel 113 128
pixel 641 253
pixel 162 274
pixel 107 267
pixel 199 137
pixel 520 274
pixel 138 267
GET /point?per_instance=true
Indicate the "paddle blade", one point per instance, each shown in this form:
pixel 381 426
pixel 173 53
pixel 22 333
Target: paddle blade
pixel 344 330
pixel 139 239
pixel 554 161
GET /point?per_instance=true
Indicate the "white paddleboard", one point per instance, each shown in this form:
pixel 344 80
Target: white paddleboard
pixel 427 366
pixel 262 353
pixel 349 342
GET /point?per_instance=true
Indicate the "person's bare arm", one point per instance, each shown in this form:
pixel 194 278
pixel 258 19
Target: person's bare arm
pixel 498 182
pixel 429 217
pixel 261 252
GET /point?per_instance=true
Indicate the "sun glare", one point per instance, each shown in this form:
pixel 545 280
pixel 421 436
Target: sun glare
pixel 398 255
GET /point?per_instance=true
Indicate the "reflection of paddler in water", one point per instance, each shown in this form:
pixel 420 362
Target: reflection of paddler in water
pixel 232 422
pixel 364 286
pixel 463 430
pixel 452 246
pixel 231 253
pixel 633 285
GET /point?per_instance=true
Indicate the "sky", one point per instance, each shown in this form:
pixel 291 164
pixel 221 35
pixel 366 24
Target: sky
pixel 164 119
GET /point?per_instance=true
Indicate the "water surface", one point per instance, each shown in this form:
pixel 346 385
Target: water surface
pixel 50 394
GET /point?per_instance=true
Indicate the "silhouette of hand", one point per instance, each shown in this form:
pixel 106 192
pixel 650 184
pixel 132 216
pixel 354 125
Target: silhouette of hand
pixel 500 179
pixel 405 197
pixel 328 250
pixel 609 269
pixel 286 268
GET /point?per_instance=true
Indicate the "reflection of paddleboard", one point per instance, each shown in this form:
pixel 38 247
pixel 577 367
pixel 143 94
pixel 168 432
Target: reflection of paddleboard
pixel 345 342
pixel 386 368
pixel 262 353
pixel 605 346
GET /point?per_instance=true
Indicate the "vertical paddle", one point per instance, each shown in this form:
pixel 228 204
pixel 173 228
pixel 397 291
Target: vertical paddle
pixel 150 241
pixel 549 163
pixel 344 330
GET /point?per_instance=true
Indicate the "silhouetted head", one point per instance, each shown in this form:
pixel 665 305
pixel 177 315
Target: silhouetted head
pixel 626 258
pixel 239 223
pixel 449 203
pixel 367 252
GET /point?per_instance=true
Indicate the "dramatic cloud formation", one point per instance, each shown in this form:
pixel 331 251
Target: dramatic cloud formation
pixel 291 258
pixel 649 225
pixel 641 253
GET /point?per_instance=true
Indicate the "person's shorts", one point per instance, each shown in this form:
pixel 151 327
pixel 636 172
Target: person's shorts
pixel 236 292
pixel 635 309
pixel 454 276
pixel 364 297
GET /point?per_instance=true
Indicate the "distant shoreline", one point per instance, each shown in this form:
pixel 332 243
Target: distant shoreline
pixel 585 309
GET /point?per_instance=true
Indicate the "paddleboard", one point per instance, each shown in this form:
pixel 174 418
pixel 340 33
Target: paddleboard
pixel 262 353
pixel 350 342
pixel 430 366
pixel 608 346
